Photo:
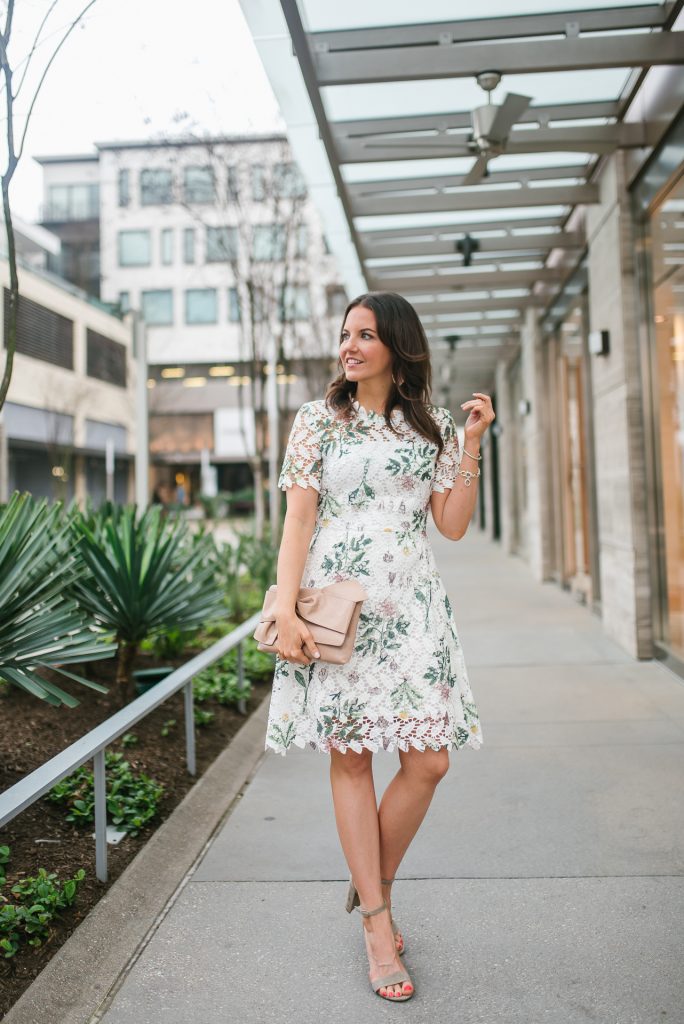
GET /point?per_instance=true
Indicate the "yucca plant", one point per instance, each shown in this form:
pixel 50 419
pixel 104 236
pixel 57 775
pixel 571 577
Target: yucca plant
pixel 41 626
pixel 146 575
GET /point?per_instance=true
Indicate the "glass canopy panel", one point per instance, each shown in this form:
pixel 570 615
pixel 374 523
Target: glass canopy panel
pixel 419 220
pixel 322 16
pixel 398 169
pixel 449 95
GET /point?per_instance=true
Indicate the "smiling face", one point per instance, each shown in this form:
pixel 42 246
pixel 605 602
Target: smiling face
pixel 359 341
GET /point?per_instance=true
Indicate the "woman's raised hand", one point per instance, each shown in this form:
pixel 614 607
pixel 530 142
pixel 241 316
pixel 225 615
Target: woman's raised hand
pixel 480 416
pixel 294 641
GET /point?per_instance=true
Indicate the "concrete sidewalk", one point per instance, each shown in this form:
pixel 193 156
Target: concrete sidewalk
pixel 547 883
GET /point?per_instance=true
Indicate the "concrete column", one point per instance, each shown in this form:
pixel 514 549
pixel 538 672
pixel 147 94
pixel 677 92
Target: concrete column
pixel 537 525
pixel 618 422
pixel 507 422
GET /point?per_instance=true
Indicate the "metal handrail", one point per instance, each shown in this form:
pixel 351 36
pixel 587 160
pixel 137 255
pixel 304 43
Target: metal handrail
pixel 29 789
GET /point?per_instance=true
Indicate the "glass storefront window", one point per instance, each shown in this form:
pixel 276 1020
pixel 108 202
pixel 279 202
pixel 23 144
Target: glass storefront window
pixel 667 248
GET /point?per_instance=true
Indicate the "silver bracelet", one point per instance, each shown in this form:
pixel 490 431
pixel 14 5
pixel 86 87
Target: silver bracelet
pixel 471 456
pixel 469 476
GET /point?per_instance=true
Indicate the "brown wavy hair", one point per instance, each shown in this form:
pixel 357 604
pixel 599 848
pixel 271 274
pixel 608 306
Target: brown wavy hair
pixel 400 330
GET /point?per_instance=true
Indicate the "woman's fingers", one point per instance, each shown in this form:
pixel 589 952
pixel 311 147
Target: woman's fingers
pixel 310 646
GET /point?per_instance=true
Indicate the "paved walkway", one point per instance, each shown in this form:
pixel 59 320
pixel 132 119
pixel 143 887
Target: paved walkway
pixel 547 884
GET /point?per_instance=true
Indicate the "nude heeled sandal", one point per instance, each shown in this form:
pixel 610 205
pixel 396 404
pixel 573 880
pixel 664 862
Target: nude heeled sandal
pixel 396 977
pixel 395 927
pixel 354 901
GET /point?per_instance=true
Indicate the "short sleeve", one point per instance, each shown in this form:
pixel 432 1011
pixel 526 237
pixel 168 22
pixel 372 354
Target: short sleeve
pixel 302 463
pixel 449 460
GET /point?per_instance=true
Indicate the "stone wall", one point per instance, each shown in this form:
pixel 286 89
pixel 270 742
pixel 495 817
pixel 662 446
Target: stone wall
pixel 618 424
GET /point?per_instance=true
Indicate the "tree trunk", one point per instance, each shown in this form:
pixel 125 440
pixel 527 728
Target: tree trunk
pixel 259 511
pixel 124 671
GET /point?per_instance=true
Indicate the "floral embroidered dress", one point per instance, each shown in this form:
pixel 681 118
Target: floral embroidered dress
pixel 406 683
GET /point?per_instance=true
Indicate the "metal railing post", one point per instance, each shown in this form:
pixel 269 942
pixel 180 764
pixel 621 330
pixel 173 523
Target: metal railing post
pixel 242 703
pixel 100 815
pixel 189 728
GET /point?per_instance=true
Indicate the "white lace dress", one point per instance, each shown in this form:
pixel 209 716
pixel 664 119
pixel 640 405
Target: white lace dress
pixel 406 683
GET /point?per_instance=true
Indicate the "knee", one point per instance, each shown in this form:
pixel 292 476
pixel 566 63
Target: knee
pixel 427 766
pixel 351 764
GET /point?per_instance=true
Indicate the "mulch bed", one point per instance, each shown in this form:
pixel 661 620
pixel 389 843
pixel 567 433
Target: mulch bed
pixel 32 732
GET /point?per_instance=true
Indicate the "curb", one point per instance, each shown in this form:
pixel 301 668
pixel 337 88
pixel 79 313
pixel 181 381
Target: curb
pixel 79 978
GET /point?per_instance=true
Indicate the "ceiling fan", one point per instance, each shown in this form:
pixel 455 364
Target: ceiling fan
pixel 491 125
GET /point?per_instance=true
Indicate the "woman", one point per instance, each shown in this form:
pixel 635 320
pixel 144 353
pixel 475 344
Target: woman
pixel 360 469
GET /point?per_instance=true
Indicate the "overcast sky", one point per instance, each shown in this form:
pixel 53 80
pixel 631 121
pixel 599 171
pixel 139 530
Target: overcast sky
pixel 135 69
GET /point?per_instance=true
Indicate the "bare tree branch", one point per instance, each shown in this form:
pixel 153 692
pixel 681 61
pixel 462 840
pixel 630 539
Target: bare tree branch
pixel 59 46
pixel 36 41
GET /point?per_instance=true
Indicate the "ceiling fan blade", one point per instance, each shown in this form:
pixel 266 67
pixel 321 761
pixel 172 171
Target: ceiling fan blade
pixel 455 148
pixel 476 172
pixel 510 111
pixel 560 145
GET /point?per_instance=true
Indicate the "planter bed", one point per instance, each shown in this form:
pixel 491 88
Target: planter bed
pixel 32 733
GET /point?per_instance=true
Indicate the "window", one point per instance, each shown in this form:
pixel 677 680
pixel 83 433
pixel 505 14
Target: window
pixel 287 181
pixel 295 303
pixel 42 333
pixel 199 185
pixel 302 241
pixel 124 187
pixel 134 249
pixel 167 246
pixel 234 313
pixel 156 186
pixel 105 359
pixel 232 183
pixel 124 301
pixel 201 306
pixel 188 245
pixel 73 202
pixel 269 242
pixel 157 307
pixel 221 244
pixel 258 182
pixel 337 301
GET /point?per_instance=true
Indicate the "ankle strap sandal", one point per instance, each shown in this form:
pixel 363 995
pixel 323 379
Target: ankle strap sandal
pixel 354 901
pixel 398 937
pixel 387 980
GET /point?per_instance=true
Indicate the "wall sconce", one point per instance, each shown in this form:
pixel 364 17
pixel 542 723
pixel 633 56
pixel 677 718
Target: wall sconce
pixel 524 407
pixel 599 343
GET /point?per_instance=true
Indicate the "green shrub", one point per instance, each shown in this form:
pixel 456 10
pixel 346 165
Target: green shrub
pixel 203 717
pixel 220 683
pixel 27 911
pixel 256 664
pixel 171 643
pixel 132 797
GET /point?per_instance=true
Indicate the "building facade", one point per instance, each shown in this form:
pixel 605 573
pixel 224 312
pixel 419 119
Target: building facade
pixel 218 246
pixel 68 425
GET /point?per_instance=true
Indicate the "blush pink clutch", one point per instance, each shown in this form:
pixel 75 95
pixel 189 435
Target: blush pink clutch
pixel 331 614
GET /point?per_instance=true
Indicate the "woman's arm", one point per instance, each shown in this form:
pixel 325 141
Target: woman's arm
pixel 298 528
pixel 453 509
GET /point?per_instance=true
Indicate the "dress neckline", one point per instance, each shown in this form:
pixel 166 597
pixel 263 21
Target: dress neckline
pixel 371 414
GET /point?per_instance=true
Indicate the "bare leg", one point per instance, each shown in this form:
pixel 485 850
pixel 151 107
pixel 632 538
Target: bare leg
pixel 405 802
pixel 356 814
